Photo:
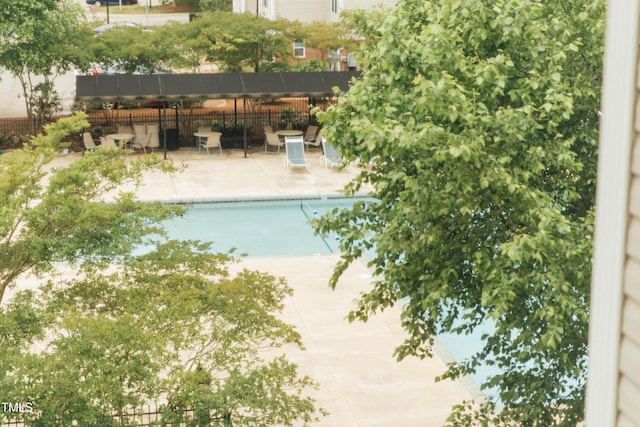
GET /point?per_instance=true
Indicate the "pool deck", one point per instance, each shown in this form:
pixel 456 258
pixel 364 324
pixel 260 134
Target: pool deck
pixel 231 176
pixel 361 384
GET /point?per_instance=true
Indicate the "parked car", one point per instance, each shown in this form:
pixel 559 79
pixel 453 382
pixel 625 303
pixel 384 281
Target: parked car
pixel 113 69
pixel 111 2
pixel 102 28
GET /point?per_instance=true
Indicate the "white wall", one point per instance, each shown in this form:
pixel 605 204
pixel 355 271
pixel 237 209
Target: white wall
pixel 12 104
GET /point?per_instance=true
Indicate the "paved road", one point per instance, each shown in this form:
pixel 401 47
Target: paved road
pixel 147 19
pixel 13 102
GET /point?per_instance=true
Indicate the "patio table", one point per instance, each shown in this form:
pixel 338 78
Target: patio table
pixel 289 132
pixel 122 138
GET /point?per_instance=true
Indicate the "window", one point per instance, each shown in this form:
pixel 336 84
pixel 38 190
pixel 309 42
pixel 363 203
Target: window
pixel 298 49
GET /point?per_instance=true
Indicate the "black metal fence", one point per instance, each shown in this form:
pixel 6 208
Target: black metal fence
pixel 182 122
pixel 145 416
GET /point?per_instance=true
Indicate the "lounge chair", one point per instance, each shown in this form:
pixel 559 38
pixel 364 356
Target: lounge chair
pixel 295 157
pixel 87 141
pixel 330 156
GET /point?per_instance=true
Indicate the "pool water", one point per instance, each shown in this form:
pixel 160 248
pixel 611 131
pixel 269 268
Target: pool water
pixel 273 228
pixel 282 228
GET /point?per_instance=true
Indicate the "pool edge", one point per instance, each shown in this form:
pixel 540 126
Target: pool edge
pixel 203 200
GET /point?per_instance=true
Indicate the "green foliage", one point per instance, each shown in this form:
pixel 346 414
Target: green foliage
pixel 187 47
pixel 171 324
pixel 310 65
pixel 328 38
pixel 133 319
pixel 45 101
pixel 12 139
pixel 66 219
pixel 133 50
pixel 230 127
pixel 479 121
pixel 234 42
pixel 240 41
pixel 216 5
pixel 41 40
pixel 275 67
pixel 292 119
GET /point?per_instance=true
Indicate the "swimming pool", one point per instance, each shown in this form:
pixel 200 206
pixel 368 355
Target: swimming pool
pixel 282 228
pixel 259 228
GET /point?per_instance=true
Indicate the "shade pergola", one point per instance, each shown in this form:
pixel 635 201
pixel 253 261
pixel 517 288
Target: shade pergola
pixel 168 87
pixel 158 87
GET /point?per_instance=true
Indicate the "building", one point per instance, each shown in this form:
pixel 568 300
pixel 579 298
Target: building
pixel 305 11
pixel 613 386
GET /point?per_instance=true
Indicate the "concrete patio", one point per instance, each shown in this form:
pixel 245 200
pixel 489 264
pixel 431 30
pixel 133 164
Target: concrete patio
pixel 361 384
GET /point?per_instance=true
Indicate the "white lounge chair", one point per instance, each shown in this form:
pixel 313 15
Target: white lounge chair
pixel 330 156
pixel 295 157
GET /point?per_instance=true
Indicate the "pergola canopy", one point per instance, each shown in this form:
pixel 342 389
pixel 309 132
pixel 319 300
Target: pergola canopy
pixel 212 86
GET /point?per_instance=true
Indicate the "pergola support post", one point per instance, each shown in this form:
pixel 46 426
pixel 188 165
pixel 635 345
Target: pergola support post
pixel 244 108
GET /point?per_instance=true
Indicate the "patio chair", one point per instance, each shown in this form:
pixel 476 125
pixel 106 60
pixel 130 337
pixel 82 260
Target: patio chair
pixel 267 130
pixel 330 156
pixel 142 145
pixel 154 130
pixel 107 142
pixel 316 142
pixel 87 141
pixel 201 136
pixel 211 141
pixel 311 136
pixel 139 132
pixel 124 129
pixel 273 140
pixel 295 157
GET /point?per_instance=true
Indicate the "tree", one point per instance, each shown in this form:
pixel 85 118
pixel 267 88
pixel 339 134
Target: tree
pixel 189 50
pixel 136 318
pixel 66 221
pixel 40 40
pixel 239 41
pixel 328 38
pixel 212 5
pixel 477 122
pixel 171 324
pixel 134 50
